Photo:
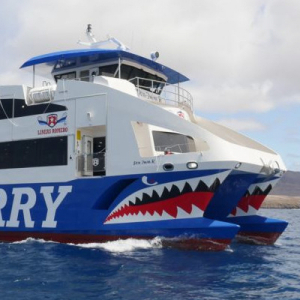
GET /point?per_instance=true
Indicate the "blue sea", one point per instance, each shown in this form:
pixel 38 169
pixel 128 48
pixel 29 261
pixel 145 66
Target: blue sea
pixel 135 270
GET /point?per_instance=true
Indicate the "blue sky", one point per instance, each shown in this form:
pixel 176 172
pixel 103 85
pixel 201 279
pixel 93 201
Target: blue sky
pixel 242 56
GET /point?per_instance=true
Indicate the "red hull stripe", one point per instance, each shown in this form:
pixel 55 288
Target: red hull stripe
pixel 185 243
pixel 258 238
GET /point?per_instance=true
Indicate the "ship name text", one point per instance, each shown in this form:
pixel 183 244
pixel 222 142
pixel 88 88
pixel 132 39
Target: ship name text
pixel 25 199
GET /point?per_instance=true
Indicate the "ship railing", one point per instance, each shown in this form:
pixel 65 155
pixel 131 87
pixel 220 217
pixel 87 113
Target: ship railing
pixel 176 148
pixel 87 164
pixel 162 92
pixel 168 149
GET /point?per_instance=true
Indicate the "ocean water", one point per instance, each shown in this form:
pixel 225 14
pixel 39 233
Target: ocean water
pixel 135 270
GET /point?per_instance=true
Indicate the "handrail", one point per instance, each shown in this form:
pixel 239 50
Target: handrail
pixel 178 148
pixel 175 148
pixel 162 92
pixel 147 89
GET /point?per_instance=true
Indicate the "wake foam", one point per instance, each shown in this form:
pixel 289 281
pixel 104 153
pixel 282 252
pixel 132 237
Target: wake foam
pixel 33 240
pixel 127 245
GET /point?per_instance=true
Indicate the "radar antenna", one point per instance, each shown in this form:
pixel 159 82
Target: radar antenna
pixel 94 44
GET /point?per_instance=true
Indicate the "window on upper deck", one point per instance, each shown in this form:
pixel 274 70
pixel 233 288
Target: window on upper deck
pixel 129 72
pixel 138 77
pixel 16 108
pixel 84 75
pixel 175 142
pixel 110 70
pixel 65 63
pixel 66 76
pixel 142 79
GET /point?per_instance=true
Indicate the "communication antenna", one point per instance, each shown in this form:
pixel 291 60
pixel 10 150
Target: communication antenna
pixel 93 43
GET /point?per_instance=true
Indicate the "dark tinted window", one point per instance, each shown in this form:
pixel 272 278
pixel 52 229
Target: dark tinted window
pixel 174 141
pixel 69 75
pixel 6 154
pixel 24 153
pixel 6 106
pixel 34 153
pixel 16 108
pixel 108 70
pixel 65 63
pixel 129 72
pixel 151 82
pixel 53 151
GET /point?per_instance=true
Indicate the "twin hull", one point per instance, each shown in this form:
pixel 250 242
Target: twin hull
pixel 186 209
pixel 101 209
pixel 90 158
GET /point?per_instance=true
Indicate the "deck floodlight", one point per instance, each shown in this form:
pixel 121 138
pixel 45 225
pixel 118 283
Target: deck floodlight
pixel 192 165
pixel 154 55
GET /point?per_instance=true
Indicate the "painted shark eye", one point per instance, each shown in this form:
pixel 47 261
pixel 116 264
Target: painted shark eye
pixel 168 167
pixel 192 165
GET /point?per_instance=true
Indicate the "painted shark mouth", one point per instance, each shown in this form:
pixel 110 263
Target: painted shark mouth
pixel 252 200
pixel 173 200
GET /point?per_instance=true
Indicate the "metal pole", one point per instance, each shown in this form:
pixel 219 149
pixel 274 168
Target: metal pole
pixel 33 79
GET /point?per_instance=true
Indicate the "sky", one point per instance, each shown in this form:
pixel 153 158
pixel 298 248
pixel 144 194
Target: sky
pixel 242 56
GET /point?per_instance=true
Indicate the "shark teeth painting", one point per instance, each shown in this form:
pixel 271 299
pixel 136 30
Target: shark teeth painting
pixel 173 200
pixel 250 203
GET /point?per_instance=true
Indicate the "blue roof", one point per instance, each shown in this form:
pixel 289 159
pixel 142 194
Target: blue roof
pixel 107 54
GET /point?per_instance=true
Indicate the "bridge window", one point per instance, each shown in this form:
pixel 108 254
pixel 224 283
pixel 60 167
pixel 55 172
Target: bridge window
pixel 110 71
pixel 66 76
pixel 145 79
pixel 65 63
pixel 85 75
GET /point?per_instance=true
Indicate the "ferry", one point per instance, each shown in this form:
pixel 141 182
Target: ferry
pixel 110 149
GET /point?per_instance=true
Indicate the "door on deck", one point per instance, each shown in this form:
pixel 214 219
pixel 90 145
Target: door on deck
pixel 88 155
pixel 99 156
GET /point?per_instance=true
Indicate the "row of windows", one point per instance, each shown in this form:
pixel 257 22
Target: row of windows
pixel 34 153
pixel 72 62
pixel 15 108
pixel 127 72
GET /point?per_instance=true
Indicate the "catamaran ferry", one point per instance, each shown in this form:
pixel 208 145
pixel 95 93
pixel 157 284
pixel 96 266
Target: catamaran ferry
pixel 112 149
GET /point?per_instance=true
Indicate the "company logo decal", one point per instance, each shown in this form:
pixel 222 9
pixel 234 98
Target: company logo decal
pixel 52 120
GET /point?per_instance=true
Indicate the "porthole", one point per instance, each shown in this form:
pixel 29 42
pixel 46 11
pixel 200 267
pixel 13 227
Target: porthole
pixel 168 167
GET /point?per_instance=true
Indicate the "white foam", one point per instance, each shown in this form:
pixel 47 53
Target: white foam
pixel 25 279
pixel 127 245
pixel 30 240
pixel 228 249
